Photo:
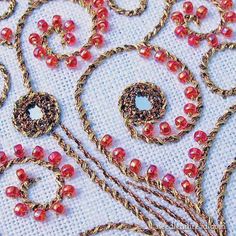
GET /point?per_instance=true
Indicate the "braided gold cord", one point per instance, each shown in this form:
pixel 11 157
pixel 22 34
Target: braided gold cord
pixel 6 84
pixel 205 75
pixel 10 10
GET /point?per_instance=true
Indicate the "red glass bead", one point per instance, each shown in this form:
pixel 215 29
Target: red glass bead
pixel 212 40
pixel 98 3
pixel 19 151
pixel 226 4
pixel 57 21
pixel 102 13
pixel 188 7
pixel 55 158
pixel 52 61
pixel 38 152
pixel 187 186
pixel 230 17
pixel 97 40
pixel 70 39
pixel 191 170
pixel 58 208
pixel 165 128
pixel 118 154
pixel 22 176
pixel 103 26
pixel 6 33
pixel 40 215
pixel 71 62
pixel 195 154
pixel 160 56
pixel 173 65
pixel 3 158
pixel 201 12
pixel 69 25
pixel 193 40
pixel 106 141
pixel 35 39
pixel 190 109
pixel 67 171
pixel 181 123
pixel 85 54
pixel 181 31
pixel 145 51
pixel 177 17
pixel 135 166
pixel 12 192
pixel 200 137
pixel 184 76
pixel 191 92
pixel 168 181
pixel 21 209
pixel 40 52
pixel 227 32
pixel 148 129
pixel 152 172
pixel 43 25
pixel 68 191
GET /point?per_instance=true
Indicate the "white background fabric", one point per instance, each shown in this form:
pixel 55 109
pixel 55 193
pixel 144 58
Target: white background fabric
pixel 92 206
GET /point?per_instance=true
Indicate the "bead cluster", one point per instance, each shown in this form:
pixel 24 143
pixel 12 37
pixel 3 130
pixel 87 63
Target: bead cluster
pixel 54 160
pixel 182 19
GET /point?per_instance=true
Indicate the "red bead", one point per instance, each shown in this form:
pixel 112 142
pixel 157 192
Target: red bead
pixel 52 61
pixel 106 141
pixel 160 56
pixel 3 158
pixel 40 52
pixel 152 172
pixel 212 40
pixel 97 40
pixel 188 7
pixel 70 39
pixel 190 109
pixel 201 12
pixel 195 154
pixel 135 166
pixel 19 151
pixel 68 191
pixel 58 208
pixel 57 21
pixel 173 65
pixel 67 171
pixel 226 4
pixel 191 170
pixel 181 123
pixel 103 26
pixel 184 76
pixel 71 62
pixel 177 17
pixel 98 3
pixel 85 54
pixel 21 209
pixel 102 13
pixel 191 92
pixel 148 129
pixel 6 33
pixel 69 26
pixel 43 25
pixel 194 40
pixel 187 186
pixel 165 128
pixel 55 158
pixel 168 181
pixel 181 31
pixel 22 176
pixel 230 17
pixel 145 51
pixel 35 39
pixel 38 152
pixel 227 32
pixel 40 215
pixel 12 192
pixel 200 137
pixel 118 154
